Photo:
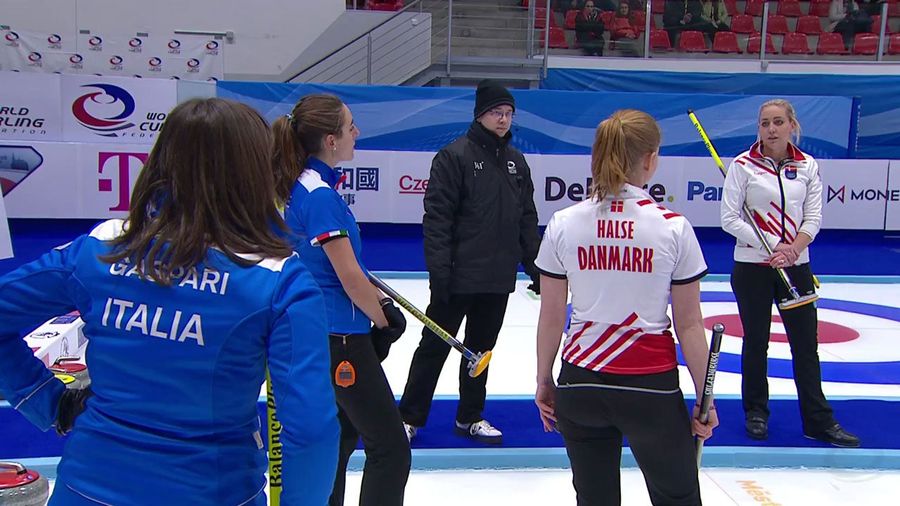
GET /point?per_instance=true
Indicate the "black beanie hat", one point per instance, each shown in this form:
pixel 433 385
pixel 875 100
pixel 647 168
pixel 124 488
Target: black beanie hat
pixel 490 94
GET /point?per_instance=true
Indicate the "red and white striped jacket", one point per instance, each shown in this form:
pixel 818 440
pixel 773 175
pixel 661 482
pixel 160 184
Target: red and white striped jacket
pixel 784 198
pixel 620 256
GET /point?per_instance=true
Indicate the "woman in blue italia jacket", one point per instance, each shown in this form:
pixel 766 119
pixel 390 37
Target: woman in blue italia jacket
pixel 185 302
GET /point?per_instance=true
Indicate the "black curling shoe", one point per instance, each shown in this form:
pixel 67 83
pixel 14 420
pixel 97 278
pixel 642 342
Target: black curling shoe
pixel 757 428
pixel 836 436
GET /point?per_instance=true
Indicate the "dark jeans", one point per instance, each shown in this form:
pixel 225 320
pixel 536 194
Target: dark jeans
pixel 849 27
pixel 484 317
pixel 650 411
pixel 755 287
pixel 367 409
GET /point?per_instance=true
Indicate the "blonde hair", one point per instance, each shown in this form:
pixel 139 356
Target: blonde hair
pixel 789 110
pixel 621 142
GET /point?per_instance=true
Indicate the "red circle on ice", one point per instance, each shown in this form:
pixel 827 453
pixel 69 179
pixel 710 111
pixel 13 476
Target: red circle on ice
pixel 829 333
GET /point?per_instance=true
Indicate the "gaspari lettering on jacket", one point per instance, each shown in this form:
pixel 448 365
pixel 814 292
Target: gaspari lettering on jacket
pixel 162 322
pixel 615 257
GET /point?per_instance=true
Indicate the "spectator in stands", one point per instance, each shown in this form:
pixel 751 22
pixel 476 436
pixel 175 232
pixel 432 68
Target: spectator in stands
pixel 621 24
pixel 681 15
pixel 603 5
pixel 715 14
pixel 872 7
pixel 589 30
pixel 636 5
pixel 848 19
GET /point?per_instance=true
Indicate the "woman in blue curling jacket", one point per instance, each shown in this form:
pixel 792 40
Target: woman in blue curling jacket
pixel 184 303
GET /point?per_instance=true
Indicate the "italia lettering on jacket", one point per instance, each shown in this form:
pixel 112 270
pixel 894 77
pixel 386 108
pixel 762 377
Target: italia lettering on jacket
pixel 152 321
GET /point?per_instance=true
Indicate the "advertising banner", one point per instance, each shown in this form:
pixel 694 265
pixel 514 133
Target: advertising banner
pixel 110 109
pixel 30 106
pixel 854 193
pixel 554 122
pixel 88 180
pixel 5 243
pixel 192 57
pixel 71 180
pixel 892 218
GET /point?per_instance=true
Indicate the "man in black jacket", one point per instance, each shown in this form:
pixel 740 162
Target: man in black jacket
pixel 480 223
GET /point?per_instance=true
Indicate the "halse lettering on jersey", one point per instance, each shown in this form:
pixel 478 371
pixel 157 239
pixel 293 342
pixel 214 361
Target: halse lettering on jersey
pixel 613 257
pixel 161 322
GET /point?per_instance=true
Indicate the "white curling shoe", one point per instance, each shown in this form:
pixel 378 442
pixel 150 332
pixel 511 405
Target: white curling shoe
pixel 481 430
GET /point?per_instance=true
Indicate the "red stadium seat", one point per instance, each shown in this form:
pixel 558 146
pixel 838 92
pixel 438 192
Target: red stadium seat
pixel 796 43
pixel 540 17
pixel 894 44
pixel 754 7
pixel 659 40
pixel 731 7
pixel 831 43
pixel 876 25
pixel 384 5
pixel 755 41
pixel 777 25
pixel 726 42
pixel 809 25
pixel 865 43
pixel 692 41
pixel 607 17
pixel 894 9
pixel 658 7
pixel 557 38
pixel 570 19
pixel 819 8
pixel 639 20
pixel 790 8
pixel 742 23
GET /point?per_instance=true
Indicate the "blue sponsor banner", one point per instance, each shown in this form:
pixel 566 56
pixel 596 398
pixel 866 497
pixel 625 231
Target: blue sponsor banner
pixel 878 111
pixel 400 118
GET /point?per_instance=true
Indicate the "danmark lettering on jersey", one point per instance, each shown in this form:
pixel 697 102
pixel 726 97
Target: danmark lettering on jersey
pixel 164 324
pixel 602 257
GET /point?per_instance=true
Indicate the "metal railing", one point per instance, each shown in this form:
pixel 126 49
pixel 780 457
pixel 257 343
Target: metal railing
pixel 498 35
pixel 358 55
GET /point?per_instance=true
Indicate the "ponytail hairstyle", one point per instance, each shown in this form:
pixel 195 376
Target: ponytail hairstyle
pixel 300 134
pixel 620 144
pixel 789 111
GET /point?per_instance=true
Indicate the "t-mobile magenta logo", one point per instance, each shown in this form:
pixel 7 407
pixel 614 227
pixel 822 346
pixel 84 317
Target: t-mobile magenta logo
pixel 120 180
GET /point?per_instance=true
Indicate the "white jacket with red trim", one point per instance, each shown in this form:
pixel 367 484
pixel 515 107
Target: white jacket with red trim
pixel 785 199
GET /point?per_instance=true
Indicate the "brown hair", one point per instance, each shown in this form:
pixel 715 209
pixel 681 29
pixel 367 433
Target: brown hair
pixel 789 110
pixel 299 135
pixel 207 183
pixel 620 143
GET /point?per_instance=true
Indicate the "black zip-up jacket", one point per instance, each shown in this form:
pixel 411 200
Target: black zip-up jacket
pixel 480 220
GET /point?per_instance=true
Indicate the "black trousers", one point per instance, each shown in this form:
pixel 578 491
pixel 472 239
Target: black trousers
pixel 595 410
pixel 367 409
pixel 755 287
pixel 484 317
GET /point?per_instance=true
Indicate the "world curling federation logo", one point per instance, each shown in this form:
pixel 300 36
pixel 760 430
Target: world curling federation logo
pixel 105 111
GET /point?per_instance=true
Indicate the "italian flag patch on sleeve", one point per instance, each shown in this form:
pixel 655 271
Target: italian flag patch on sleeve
pixel 327 236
